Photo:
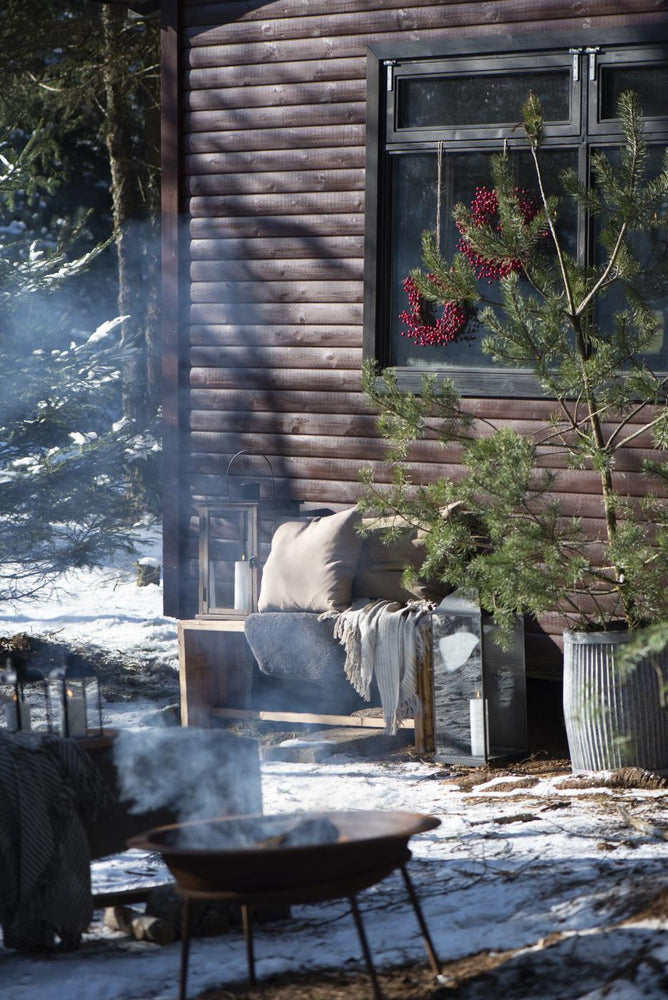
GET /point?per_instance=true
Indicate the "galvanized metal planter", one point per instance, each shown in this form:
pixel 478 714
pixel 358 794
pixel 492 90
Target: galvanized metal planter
pixel 612 721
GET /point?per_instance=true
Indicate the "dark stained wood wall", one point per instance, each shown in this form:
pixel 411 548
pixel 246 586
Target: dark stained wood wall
pixel 271 183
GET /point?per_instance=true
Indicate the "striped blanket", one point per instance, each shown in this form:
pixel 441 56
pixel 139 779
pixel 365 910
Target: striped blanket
pixel 45 892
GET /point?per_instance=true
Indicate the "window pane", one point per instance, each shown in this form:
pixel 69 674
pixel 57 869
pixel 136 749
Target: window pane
pixel 651 250
pixel 649 82
pixel 414 210
pixel 490 99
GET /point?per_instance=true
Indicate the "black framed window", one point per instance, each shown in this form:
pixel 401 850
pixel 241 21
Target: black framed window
pixel 434 122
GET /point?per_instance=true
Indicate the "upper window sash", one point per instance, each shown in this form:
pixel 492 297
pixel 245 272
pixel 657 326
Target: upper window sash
pixel 426 99
pixel 644 70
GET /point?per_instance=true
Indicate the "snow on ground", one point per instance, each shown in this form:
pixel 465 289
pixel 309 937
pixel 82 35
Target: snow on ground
pixel 558 873
pixel 103 607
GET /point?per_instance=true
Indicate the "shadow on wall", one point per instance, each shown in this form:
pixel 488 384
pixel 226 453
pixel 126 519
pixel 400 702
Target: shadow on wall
pixel 248 390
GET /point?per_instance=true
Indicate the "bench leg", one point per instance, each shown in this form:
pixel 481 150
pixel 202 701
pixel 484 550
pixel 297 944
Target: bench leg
pixel 248 936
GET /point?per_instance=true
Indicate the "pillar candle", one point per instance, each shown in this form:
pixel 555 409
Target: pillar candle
pixel 15 711
pixel 76 717
pixel 242 585
pixel 478 717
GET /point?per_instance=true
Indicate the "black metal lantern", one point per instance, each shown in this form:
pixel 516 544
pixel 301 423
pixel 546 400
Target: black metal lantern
pixel 76 698
pixel 23 694
pixel 479 688
pixel 230 530
pixel 228 558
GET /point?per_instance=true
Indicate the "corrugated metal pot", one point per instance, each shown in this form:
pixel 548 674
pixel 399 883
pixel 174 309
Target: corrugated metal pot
pixel 611 721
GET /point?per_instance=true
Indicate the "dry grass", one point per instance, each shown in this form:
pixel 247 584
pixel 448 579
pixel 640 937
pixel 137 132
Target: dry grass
pixel 412 982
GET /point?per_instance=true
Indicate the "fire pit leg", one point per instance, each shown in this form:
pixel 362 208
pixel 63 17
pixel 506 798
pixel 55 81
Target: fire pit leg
pixel 185 946
pixel 377 992
pixel 248 935
pixel 426 937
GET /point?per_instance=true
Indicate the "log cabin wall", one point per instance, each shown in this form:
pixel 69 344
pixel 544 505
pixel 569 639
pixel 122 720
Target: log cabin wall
pixel 264 145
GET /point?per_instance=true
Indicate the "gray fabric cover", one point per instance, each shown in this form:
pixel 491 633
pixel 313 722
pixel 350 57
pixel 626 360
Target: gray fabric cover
pixel 302 665
pixel 295 645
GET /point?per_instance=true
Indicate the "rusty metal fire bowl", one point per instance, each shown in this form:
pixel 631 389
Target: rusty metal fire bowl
pixel 303 857
pixel 205 856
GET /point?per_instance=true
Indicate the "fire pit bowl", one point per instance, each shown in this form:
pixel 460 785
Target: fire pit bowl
pixel 285 852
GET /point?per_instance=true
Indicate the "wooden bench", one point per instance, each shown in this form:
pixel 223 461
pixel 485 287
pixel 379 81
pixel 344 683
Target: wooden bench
pixel 216 670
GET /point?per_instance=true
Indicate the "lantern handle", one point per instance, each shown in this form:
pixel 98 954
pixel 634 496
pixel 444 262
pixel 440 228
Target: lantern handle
pixel 255 455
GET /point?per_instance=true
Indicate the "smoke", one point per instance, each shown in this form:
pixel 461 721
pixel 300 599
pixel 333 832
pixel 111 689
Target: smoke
pixel 262 833
pixel 195 773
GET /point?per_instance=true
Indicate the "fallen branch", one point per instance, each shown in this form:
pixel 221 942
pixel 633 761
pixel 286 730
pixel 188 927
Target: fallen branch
pixel 643 826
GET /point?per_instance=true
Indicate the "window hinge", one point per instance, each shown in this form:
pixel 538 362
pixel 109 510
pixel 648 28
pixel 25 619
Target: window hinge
pixel 389 68
pixel 576 53
pixel 591 51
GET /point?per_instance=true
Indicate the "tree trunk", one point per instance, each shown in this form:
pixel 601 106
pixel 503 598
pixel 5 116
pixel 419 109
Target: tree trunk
pixel 126 225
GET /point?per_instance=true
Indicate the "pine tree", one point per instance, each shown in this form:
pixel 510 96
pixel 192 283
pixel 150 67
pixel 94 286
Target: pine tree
pixel 88 74
pixel 65 463
pixel 515 550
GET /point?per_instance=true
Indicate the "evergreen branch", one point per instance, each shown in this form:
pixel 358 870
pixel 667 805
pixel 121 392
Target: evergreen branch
pixel 385 503
pixel 560 432
pixel 662 385
pixel 636 434
pixel 553 232
pixel 603 282
pixel 630 113
pixel 533 283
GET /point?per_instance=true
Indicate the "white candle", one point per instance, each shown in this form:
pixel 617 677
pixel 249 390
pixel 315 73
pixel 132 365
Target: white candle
pixel 242 585
pixel 11 721
pixel 76 717
pixel 212 586
pixel 15 711
pixel 478 717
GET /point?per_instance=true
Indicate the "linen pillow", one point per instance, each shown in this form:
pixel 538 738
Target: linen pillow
pixel 311 564
pixel 381 567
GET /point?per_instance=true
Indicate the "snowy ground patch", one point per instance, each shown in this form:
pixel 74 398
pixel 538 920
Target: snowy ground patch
pixel 103 608
pixel 525 863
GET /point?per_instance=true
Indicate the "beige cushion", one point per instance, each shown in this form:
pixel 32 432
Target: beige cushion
pixel 311 564
pixel 381 566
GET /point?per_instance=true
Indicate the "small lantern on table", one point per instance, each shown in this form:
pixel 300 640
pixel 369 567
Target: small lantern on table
pixel 75 689
pixel 23 687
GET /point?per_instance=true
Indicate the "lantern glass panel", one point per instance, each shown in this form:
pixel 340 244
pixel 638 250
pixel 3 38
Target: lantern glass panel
pixel 234 542
pixel 479 688
pixel 76 701
pixel 228 559
pixel 24 703
pixel 13 710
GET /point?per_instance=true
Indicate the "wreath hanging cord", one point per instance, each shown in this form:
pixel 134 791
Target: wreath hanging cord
pixel 439 193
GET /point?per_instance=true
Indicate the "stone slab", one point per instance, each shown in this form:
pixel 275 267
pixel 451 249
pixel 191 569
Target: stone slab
pixel 354 742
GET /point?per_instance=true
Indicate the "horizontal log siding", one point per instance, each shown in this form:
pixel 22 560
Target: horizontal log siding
pixel 273 137
pixel 226 11
pixel 325 21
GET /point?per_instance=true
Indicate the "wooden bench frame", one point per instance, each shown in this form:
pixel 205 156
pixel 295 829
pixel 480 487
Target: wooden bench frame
pixel 215 672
